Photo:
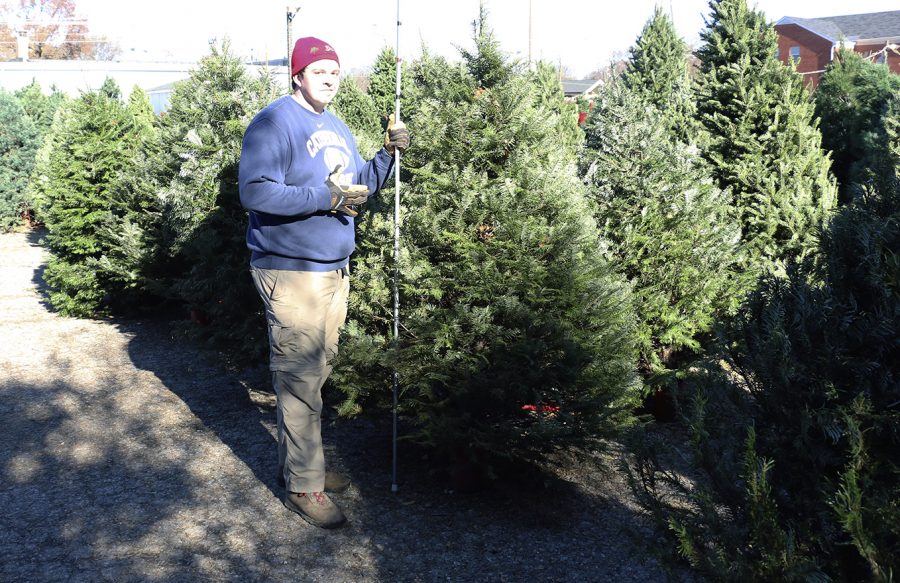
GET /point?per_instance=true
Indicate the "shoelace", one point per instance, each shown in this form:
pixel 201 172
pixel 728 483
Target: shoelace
pixel 319 497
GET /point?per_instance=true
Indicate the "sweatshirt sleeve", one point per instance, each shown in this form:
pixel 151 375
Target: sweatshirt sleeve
pixel 376 171
pixel 264 157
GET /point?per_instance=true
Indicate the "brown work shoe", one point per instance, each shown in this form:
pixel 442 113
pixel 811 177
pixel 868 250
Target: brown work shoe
pixel 335 483
pixel 315 508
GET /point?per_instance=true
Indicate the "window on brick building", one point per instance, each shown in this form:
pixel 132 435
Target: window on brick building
pixel 795 53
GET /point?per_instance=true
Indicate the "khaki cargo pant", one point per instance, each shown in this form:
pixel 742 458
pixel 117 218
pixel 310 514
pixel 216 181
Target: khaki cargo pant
pixel 304 312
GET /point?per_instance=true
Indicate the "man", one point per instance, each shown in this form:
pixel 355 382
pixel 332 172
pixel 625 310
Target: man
pixel 301 178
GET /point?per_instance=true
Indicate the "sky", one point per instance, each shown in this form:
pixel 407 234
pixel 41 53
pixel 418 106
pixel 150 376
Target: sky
pixel 580 35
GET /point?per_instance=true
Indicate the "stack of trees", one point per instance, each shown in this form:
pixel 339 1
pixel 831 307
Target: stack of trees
pixel 796 438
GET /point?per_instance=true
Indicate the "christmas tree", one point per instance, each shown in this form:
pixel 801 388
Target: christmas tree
pixel 126 234
pixel 763 142
pixel 658 72
pixel 98 140
pixel 19 141
pixel 670 230
pixel 850 102
pixel 201 253
pixel 516 333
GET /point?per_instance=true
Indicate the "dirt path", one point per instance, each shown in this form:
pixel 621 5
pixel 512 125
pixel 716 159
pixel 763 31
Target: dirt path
pixel 126 455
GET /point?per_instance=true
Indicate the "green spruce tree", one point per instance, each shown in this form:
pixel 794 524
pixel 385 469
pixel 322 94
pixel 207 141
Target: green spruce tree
pixel 796 441
pixel 850 102
pixel 200 249
pixel 39 107
pixel 127 233
pixel 670 230
pixel 658 72
pixel 551 97
pixel 383 85
pixel 516 334
pixel 19 141
pixel 39 182
pixel 763 141
pixel 98 141
pixel 357 110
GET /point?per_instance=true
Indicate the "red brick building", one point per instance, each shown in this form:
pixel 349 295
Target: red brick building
pixel 813 41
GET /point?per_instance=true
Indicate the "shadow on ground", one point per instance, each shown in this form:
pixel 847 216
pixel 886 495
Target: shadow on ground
pixel 132 455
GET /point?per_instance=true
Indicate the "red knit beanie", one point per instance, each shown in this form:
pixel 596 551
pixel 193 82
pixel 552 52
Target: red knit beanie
pixel 308 50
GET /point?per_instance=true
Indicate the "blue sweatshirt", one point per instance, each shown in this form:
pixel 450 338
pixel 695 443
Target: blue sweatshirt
pixel 287 154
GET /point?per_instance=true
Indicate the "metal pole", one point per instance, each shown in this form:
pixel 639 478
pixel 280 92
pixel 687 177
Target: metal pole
pixel 290 49
pixel 529 35
pixel 394 486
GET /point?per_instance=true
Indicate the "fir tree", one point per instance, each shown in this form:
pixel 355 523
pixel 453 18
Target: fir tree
pixel 39 182
pixel 850 102
pixel 669 229
pixel 764 145
pixel 487 64
pixel 201 250
pixel 97 143
pixel 39 107
pixel 813 378
pixel 19 141
pixel 383 85
pixel 658 72
pixel 126 234
pixel 889 164
pixel 516 334
pixel 356 109
pixel 551 97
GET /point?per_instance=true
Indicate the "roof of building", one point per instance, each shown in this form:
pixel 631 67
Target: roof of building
pixel 852 27
pixel 573 87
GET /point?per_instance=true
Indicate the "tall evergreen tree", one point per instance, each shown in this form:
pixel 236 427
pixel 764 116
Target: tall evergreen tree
pixel 550 96
pixel 201 248
pixel 19 141
pixel 98 142
pixel 487 64
pixel 889 166
pixel 850 102
pixel 764 145
pixel 126 234
pixel 383 85
pixel 516 333
pixel 797 443
pixel 39 182
pixel 356 108
pixel 658 72
pixel 39 107
pixel 669 229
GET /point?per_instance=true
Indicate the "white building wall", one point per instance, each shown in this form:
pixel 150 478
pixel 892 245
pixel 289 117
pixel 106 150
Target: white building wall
pixel 75 77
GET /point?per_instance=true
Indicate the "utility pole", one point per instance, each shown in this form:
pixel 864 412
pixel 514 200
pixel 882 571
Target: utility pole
pixel 529 34
pixel 290 40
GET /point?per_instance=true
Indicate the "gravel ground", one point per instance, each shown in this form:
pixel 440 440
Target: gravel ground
pixel 128 455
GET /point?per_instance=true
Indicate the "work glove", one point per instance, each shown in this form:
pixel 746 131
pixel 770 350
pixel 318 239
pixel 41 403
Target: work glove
pixel 396 136
pixel 344 198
